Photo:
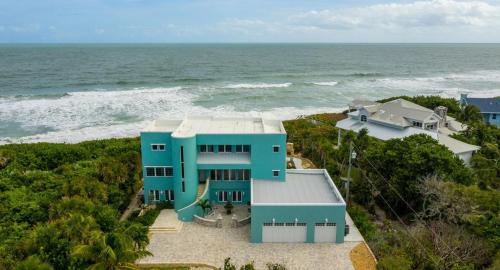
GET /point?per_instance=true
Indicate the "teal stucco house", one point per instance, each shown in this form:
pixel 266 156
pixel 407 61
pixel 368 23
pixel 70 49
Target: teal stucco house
pixel 241 160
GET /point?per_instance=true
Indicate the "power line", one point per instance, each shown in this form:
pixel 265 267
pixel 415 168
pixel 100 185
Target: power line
pixel 401 220
pixel 409 206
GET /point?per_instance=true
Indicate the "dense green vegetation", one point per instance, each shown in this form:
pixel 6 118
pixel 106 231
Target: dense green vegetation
pixel 417 205
pixel 60 205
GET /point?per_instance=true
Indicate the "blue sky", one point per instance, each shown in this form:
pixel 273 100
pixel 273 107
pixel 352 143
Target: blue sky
pixel 249 21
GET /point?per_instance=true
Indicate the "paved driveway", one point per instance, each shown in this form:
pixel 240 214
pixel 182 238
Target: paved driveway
pixel 198 244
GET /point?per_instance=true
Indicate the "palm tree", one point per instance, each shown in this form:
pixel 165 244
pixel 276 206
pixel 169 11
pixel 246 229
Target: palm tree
pixel 470 113
pixel 205 204
pixel 112 251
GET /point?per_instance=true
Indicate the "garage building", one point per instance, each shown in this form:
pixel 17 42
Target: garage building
pixel 307 207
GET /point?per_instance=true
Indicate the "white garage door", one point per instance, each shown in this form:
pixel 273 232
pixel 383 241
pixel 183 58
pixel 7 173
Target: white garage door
pixel 325 232
pixel 284 232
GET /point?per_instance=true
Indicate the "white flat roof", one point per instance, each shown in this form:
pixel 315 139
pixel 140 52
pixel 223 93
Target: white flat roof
pixel 191 126
pixel 301 187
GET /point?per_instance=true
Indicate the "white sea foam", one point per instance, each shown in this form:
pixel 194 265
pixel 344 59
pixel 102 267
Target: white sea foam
pixel 81 116
pixel 257 85
pixel 332 83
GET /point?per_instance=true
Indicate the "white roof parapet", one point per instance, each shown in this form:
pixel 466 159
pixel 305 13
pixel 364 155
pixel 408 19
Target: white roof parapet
pixel 302 187
pixel 193 125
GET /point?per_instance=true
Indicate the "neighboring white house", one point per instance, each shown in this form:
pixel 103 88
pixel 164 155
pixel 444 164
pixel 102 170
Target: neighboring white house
pixel 400 118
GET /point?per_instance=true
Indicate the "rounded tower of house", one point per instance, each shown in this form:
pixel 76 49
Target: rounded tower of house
pixel 184 157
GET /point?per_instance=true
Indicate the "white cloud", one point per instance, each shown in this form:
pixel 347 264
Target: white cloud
pixel 432 13
pixel 28 28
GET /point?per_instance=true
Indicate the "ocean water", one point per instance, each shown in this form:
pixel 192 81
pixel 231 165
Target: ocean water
pixel 70 93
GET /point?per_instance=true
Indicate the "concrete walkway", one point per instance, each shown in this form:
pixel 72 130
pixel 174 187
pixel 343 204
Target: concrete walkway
pixel 354 234
pixel 166 222
pixel 199 244
pixel 134 205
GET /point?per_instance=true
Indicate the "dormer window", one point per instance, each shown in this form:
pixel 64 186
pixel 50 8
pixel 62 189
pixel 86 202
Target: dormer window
pixel 363 118
pixel 416 124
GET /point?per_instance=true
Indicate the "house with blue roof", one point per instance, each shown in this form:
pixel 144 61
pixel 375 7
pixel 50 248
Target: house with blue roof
pixel 489 107
pixel 241 161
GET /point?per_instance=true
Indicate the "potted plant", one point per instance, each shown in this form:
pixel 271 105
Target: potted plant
pixel 229 207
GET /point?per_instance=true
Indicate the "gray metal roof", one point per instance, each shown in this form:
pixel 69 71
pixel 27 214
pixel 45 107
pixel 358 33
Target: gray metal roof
pixel 301 187
pixel 485 105
pixel 386 133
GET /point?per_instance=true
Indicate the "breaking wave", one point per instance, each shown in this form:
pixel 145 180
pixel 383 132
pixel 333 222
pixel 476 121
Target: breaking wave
pixel 332 83
pixel 258 85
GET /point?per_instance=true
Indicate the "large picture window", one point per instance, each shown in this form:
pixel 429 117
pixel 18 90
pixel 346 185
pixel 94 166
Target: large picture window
pixel 230 174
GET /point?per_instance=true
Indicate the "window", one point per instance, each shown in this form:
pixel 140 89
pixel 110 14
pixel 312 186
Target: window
pixel 222 196
pixel 159 171
pixel 182 162
pixel 246 148
pixel 169 195
pixel 494 116
pixel 237 196
pixel 246 174
pixel 276 173
pixel 233 174
pixel 416 124
pixel 276 148
pixel 326 224
pixel 225 148
pixel 154 195
pixel 363 118
pixel 230 174
pixel 183 187
pixel 204 148
pixel 242 148
pixel 150 171
pixel 157 147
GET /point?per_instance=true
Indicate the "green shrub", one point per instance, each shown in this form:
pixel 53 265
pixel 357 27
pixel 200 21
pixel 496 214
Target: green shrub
pixel 275 266
pixel 394 263
pixel 149 217
pixel 362 220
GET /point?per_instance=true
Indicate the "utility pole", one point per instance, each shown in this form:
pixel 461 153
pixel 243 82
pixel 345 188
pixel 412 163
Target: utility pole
pixel 349 173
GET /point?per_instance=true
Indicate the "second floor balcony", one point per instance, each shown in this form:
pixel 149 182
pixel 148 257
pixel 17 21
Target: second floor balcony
pixel 223 158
